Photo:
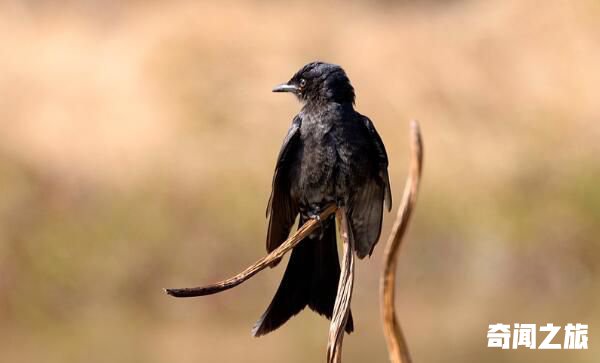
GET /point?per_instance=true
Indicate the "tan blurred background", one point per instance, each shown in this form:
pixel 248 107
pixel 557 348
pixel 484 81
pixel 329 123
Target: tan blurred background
pixel 138 142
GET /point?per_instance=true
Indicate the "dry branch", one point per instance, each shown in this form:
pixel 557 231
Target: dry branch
pixel 341 309
pixel 397 347
pixel 306 229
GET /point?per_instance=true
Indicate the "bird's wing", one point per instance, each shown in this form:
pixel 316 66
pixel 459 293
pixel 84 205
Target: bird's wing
pixel 382 170
pixel 281 209
pixel 366 204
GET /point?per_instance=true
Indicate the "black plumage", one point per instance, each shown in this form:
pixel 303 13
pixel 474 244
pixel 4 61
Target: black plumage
pixel 331 154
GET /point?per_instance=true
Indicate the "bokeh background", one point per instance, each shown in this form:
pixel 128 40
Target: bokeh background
pixel 138 142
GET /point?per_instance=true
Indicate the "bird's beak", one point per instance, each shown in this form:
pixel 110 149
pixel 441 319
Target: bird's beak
pixel 285 88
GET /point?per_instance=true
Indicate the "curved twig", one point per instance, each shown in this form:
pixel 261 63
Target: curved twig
pixel 397 347
pixel 341 309
pixel 306 229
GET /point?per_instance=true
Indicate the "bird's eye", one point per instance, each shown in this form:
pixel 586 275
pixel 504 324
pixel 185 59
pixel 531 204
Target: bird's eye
pixel 302 82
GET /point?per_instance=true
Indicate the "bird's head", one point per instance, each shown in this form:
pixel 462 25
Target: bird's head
pixel 319 82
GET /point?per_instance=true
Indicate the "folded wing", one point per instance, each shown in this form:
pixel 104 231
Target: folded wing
pixel 366 204
pixel 281 209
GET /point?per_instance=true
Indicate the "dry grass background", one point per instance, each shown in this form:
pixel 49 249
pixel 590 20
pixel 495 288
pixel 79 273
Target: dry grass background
pixel 122 172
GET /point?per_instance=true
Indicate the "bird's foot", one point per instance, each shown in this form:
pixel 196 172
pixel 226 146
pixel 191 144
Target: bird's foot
pixel 316 216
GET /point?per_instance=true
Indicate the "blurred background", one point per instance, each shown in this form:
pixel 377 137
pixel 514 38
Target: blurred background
pixel 138 143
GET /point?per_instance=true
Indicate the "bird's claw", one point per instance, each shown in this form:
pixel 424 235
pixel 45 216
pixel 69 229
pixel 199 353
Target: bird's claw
pixel 317 217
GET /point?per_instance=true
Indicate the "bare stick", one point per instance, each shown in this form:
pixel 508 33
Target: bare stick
pixel 306 229
pixel 341 308
pixel 397 347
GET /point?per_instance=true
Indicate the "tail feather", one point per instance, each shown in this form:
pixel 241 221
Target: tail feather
pixel 311 278
pixel 291 296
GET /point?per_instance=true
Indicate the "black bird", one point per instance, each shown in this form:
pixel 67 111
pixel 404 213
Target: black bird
pixel 331 154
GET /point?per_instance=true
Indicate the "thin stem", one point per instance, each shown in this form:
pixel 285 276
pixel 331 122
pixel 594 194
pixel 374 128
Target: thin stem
pixel 341 308
pixel 397 346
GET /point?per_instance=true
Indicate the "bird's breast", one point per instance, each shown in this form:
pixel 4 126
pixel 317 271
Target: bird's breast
pixel 322 163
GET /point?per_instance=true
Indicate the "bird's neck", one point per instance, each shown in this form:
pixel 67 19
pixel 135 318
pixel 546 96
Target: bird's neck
pixel 316 107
